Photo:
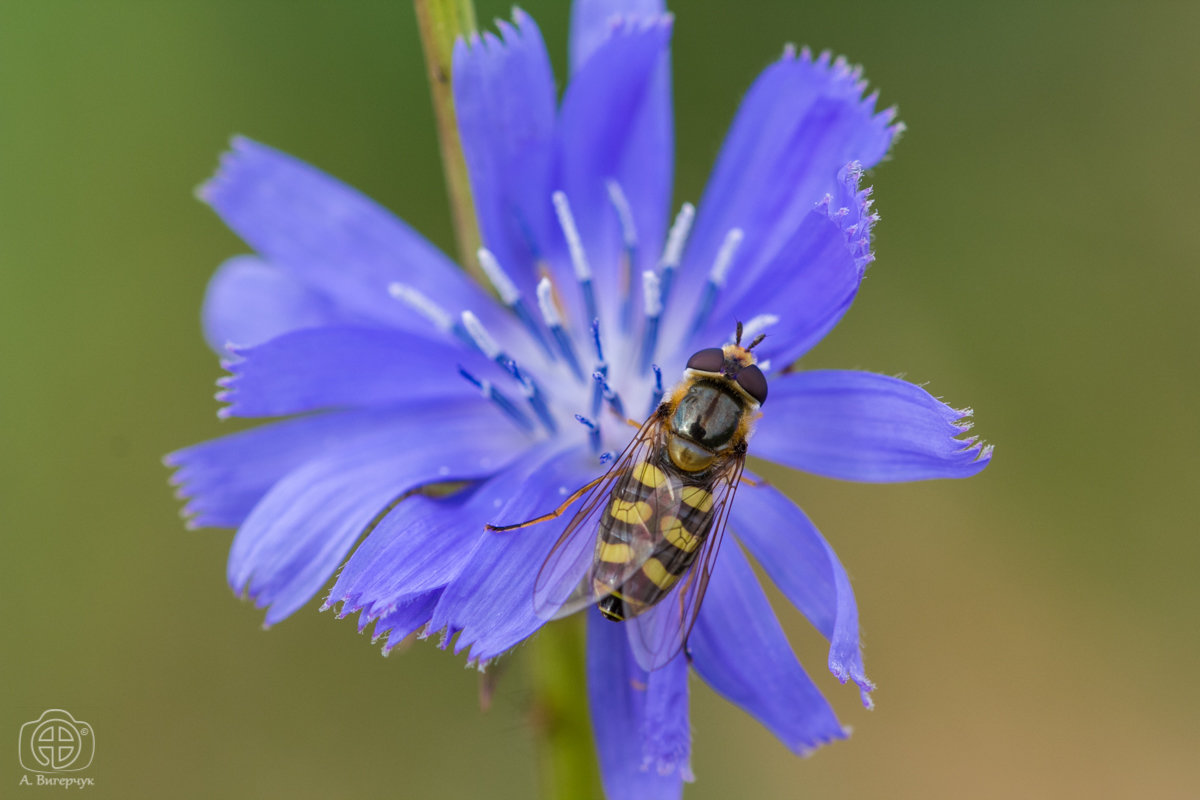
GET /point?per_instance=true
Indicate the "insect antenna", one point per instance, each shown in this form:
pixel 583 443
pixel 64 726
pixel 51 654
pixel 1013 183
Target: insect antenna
pixel 757 341
pixel 738 339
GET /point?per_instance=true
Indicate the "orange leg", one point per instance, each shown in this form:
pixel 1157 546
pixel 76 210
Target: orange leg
pixel 558 512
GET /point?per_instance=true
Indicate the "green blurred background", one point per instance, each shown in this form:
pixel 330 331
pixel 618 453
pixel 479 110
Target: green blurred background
pixel 1033 631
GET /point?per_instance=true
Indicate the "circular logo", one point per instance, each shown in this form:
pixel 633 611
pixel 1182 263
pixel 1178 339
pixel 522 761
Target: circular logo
pixel 56 744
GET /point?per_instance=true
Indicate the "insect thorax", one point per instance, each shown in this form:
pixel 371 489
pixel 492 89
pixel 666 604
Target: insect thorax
pixel 704 422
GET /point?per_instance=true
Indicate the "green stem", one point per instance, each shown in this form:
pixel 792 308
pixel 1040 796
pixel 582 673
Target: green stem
pixel 441 22
pixel 568 759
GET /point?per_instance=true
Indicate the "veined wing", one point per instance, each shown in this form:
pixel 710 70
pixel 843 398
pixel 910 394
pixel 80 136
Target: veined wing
pixel 657 635
pixel 567 581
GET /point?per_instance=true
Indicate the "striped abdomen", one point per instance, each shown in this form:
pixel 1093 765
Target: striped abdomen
pixel 652 502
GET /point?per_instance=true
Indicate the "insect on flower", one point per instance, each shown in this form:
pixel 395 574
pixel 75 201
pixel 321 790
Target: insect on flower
pixel 597 287
pixel 658 515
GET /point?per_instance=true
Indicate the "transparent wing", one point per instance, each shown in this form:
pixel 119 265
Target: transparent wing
pixel 657 635
pixel 566 582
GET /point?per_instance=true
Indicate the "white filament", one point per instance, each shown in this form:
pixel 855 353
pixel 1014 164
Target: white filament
pixel 724 259
pixel 498 277
pixel 566 220
pixel 545 297
pixel 624 213
pixel 483 340
pixel 652 293
pixel 678 235
pixel 422 305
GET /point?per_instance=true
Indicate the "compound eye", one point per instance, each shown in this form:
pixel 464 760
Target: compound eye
pixel 710 360
pixel 754 382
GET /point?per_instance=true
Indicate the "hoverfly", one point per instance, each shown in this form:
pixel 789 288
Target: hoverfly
pixel 645 539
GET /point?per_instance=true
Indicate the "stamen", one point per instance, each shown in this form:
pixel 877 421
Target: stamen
pixel 533 393
pixel 614 400
pixel 502 402
pixel 498 277
pixel 597 343
pixel 673 251
pixel 583 270
pixel 487 345
pixel 716 277
pixel 440 317
pixel 510 295
pixel 652 303
pixel 601 372
pixel 550 315
pixel 608 394
pixel 597 392
pixel 630 242
pixel 656 398
pixel 479 335
pixel 624 213
pixel 593 432
pixel 724 259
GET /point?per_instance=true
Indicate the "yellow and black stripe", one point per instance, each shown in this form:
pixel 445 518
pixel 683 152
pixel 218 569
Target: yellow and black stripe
pixel 638 509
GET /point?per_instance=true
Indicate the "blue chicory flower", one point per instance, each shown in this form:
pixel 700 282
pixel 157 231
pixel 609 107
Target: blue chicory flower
pixel 397 371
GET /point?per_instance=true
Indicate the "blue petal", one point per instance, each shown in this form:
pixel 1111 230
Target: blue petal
pixel 809 285
pixel 802 121
pixel 491 600
pixel 419 546
pixel 335 240
pixel 861 426
pixel 739 649
pixel 616 124
pixel 303 527
pixel 248 301
pixel 504 99
pixel 592 21
pixel 410 615
pixel 807 571
pixel 335 367
pixel 640 719
pixel 224 478
pixel 666 729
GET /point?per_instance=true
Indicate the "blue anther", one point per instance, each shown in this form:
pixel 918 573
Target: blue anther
pixel 593 432
pixel 597 391
pixel 589 297
pixel 501 401
pixel 649 341
pixel 533 393
pixel 657 397
pixel 596 341
pixel 665 279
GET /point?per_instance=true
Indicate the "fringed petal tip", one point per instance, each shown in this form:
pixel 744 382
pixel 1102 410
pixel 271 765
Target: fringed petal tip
pixel 666 759
pixel 641 23
pixel 851 210
pixel 395 622
pixel 523 31
pixel 962 420
pixel 846 80
pixel 808 748
pixel 849 670
pixel 228 168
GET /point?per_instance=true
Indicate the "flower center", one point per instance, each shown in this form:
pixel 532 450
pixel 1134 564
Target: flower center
pixel 551 384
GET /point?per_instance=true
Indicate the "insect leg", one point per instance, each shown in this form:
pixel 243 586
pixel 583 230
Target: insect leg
pixel 553 514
